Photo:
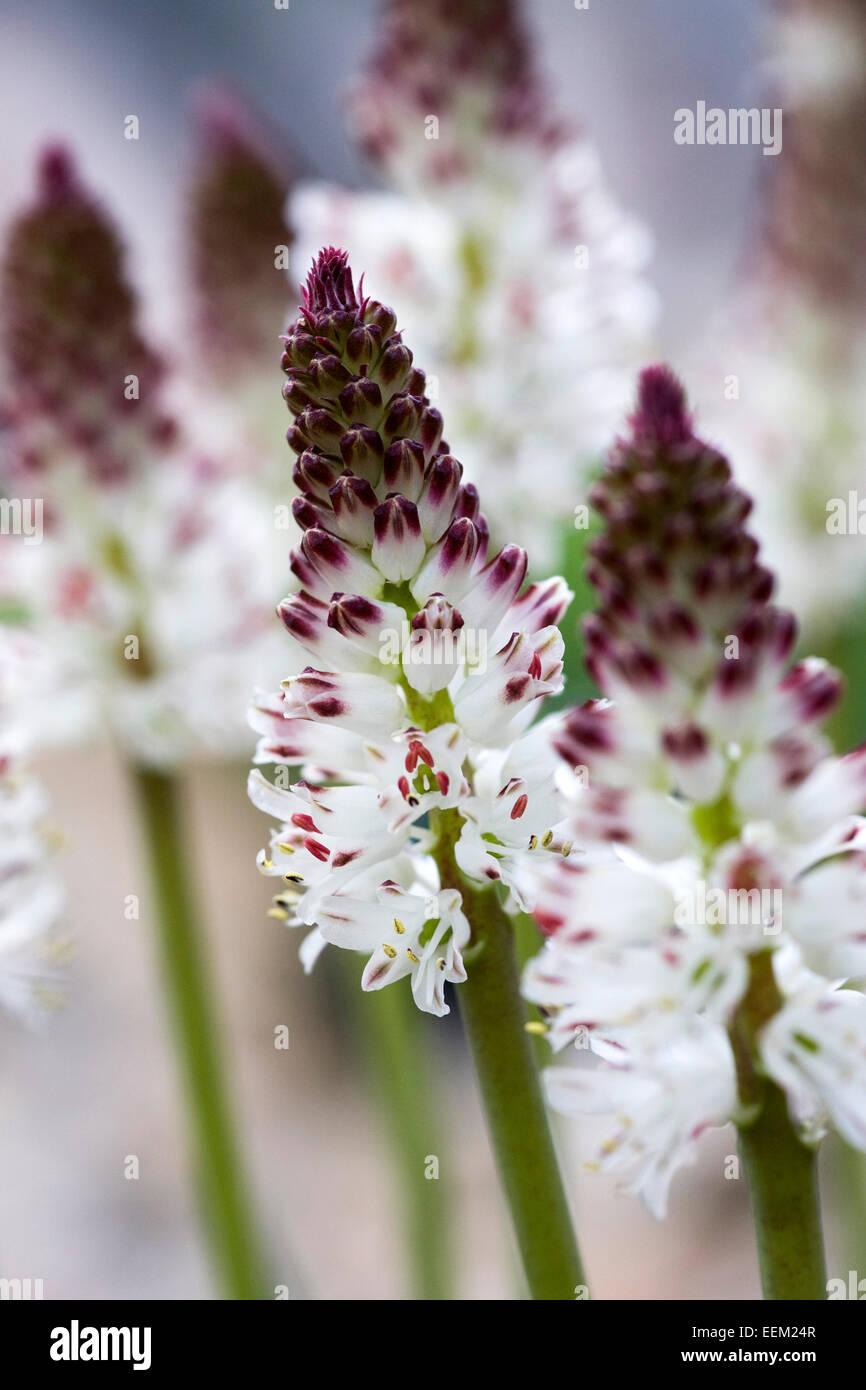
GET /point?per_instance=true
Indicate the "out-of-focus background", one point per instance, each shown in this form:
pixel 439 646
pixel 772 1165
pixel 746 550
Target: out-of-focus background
pixel 97 1085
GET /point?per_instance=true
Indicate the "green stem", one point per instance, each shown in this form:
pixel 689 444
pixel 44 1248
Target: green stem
pixel 495 1018
pixel 780 1170
pixel 392 1032
pixel 848 1176
pixel 228 1222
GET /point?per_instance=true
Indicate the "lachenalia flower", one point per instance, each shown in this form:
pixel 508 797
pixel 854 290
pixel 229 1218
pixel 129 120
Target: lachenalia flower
pixel 512 270
pixel 149 584
pixel 147 579
pixel 425 663
pixel 239 290
pixel 713 939
pixel 236 232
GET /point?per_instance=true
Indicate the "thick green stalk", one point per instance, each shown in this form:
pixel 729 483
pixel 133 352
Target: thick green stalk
pixel 228 1222
pixel 495 1018
pixel 395 1040
pixel 780 1170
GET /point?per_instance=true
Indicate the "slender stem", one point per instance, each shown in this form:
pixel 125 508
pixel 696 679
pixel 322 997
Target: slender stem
pixel 848 1179
pixel 396 1044
pixel 229 1226
pixel 495 1018
pixel 527 943
pixel 780 1170
pixel 783 1192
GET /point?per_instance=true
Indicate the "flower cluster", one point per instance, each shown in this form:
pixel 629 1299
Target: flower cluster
pixel 31 898
pixel 237 237
pixel 427 662
pixel 510 266
pixel 473 64
pixel 791 350
pixel 146 579
pixel 709 936
pixel 238 292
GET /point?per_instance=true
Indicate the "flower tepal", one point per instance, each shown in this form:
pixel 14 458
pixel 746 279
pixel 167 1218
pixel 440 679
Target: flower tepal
pixel 427 660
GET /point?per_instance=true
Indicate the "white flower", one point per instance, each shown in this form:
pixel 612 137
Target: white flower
pixel 662 1102
pixel 423 940
pixel 815 1049
pixel 650 991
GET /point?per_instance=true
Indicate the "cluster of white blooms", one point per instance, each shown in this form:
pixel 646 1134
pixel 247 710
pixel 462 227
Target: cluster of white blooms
pixel 786 386
pixel 141 558
pixel 31 898
pixel 713 934
pixel 510 266
pixel 428 660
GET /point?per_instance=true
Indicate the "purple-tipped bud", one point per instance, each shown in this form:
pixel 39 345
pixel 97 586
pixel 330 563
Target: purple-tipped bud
pixel 236 237
pixel 661 418
pixel 359 410
pixel 813 689
pixel 315 475
pixel 308 515
pixel 432 654
pixel 472 60
pixel 354 503
pixel 437 615
pixel 404 468
pixel 75 360
pixel 356 617
pixel 329 285
pixel 674 569
pixel 398 546
pixel 335 566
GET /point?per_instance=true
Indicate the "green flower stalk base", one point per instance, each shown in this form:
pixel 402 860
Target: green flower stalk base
pixel 783 1192
pixel 225 1210
pixel 495 1018
pixel 780 1170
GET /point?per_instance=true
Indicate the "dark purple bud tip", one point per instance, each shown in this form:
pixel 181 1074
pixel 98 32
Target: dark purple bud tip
pixel 661 417
pixel 56 176
pixel 329 284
